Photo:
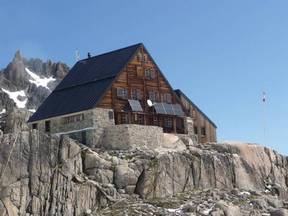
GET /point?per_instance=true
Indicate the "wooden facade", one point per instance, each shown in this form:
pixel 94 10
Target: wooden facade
pixel 141 80
pixel 204 128
pixel 119 83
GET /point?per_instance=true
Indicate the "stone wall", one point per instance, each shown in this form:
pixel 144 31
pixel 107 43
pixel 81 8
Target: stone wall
pixel 88 131
pixel 129 136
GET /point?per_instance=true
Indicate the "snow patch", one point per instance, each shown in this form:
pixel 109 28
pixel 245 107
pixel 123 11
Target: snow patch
pixel 245 193
pixel 38 81
pixel 32 110
pixel 178 210
pixel 15 97
pixel 3 111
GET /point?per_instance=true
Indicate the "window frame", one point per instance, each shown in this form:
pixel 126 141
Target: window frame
pixel 149 73
pixel 203 131
pixel 167 98
pixel 35 126
pixel 73 118
pixel 48 126
pixel 136 94
pixel 195 130
pixel 168 123
pixel 155 95
pixel 122 93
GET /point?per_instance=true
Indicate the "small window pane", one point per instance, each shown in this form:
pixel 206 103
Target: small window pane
pixel 122 93
pixel 168 123
pixel 153 96
pixel 136 94
pixel 149 73
pixel 111 115
pixel 195 130
pixel 203 131
pixel 47 126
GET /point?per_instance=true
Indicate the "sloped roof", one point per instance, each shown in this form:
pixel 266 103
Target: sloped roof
pixel 180 93
pixel 85 84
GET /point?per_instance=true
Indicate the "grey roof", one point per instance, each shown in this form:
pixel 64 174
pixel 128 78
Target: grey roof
pixel 180 93
pixel 85 84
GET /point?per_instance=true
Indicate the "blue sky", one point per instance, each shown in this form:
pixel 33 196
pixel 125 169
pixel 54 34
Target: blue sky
pixel 222 53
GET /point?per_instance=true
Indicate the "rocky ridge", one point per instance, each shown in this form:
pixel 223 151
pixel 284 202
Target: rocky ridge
pixel 43 175
pixel 25 83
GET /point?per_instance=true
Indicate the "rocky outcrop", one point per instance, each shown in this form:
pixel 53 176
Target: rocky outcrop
pixel 43 175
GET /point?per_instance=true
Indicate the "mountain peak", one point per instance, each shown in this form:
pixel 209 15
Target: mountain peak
pixel 17 56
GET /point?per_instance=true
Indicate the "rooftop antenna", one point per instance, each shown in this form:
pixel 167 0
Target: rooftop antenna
pixel 77 55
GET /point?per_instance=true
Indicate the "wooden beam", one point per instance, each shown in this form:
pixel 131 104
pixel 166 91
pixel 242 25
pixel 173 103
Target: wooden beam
pixel 174 125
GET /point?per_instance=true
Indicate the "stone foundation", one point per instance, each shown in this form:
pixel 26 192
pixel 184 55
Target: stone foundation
pixel 129 136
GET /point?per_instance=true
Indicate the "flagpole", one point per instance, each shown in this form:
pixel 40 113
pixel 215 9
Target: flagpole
pixel 264 101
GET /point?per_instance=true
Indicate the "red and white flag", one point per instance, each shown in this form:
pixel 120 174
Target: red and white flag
pixel 264 98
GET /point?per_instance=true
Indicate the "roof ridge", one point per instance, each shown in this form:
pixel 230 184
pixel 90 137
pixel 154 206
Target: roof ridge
pixel 112 51
pixel 189 100
pixel 85 83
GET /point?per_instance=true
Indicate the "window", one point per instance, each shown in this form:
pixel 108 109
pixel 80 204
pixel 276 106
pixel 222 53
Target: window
pixel 124 118
pixel 35 126
pixel 203 131
pixel 73 118
pixel 47 126
pixel 122 93
pixel 168 123
pixel 138 119
pixel 153 96
pixel 149 73
pixel 167 98
pixel 136 94
pixel 195 130
pixel 155 121
pixel 111 115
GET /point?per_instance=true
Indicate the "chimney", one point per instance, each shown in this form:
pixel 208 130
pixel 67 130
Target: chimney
pixel 89 55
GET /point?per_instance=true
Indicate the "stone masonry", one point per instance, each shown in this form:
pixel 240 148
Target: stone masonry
pixel 88 130
pixel 128 136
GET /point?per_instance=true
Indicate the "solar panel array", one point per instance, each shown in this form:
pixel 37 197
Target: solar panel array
pixel 135 105
pixel 168 109
pixel 178 110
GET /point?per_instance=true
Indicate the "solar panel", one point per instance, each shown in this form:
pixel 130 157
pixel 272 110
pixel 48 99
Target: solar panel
pixel 169 109
pixel 178 110
pixel 159 108
pixel 135 105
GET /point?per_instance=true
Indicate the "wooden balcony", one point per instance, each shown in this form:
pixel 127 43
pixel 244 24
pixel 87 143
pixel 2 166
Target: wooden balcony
pixel 169 123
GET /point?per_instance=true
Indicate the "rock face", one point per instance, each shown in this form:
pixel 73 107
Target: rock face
pixel 43 175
